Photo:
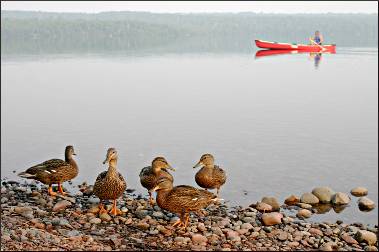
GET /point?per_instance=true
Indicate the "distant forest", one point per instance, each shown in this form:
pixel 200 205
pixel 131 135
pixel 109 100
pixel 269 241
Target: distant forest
pixel 44 32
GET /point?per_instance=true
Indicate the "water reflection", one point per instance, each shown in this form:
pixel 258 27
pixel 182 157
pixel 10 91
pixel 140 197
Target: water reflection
pixel 315 56
pixel 325 208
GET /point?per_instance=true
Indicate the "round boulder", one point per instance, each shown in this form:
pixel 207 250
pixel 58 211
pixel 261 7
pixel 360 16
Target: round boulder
pixel 304 213
pixel 292 200
pixel 340 199
pixel 359 191
pixel 324 194
pixel 263 207
pixel 272 201
pixel 309 198
pixel 365 204
pixel 366 236
pixel 270 219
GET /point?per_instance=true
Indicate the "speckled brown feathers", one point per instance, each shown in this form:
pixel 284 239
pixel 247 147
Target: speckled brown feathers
pixel 182 199
pixel 110 184
pixel 210 176
pixel 54 171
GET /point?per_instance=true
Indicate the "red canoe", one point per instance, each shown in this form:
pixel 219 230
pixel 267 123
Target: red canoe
pixel 299 47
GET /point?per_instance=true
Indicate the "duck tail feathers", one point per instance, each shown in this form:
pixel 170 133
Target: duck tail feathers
pixel 26 175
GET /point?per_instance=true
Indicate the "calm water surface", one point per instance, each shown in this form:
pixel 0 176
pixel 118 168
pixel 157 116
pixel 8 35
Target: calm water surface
pixel 277 125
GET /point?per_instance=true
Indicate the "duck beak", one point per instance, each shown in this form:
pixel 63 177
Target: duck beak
pixel 154 189
pixel 106 160
pixel 198 164
pixel 74 154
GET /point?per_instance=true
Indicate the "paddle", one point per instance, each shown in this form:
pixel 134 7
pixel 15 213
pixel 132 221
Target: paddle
pixel 323 48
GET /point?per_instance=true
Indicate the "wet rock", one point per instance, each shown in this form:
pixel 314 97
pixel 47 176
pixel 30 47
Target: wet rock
pixel 158 215
pixel 93 200
pixel 371 248
pixel 324 194
pixel 263 207
pixel 309 198
pixel 198 239
pixel 359 191
pixel 292 200
pixel 366 236
pixel 61 205
pixel 73 233
pixel 124 209
pixel 93 209
pixel 347 238
pixel 272 218
pixel 272 201
pixel 365 204
pixel 304 205
pixel 340 199
pixel 304 213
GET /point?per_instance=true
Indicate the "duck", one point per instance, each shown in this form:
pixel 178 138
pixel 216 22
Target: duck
pixel 110 184
pixel 54 171
pixel 149 175
pixel 210 176
pixel 182 199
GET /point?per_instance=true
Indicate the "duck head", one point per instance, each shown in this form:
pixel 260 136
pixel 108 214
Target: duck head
pixel 205 160
pixel 161 163
pixel 111 155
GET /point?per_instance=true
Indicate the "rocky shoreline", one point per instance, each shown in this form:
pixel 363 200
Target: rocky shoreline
pixel 32 220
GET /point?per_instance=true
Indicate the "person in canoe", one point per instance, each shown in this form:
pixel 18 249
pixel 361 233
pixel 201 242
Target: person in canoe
pixel 317 39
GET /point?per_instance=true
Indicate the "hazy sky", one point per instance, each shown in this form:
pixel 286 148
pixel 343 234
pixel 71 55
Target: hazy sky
pixel 196 6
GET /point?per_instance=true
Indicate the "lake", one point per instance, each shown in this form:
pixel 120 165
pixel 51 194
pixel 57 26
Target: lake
pixel 278 125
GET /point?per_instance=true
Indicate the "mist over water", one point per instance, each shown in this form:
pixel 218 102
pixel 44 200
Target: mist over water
pixel 278 125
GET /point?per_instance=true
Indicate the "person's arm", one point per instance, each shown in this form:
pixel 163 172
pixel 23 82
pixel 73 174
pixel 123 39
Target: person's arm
pixel 321 39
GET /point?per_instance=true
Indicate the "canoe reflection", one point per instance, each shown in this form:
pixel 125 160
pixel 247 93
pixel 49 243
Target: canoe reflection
pixel 316 56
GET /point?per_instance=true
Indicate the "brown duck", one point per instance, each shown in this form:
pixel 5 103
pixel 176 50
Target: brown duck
pixel 54 171
pixel 210 176
pixel 110 185
pixel 151 174
pixel 182 199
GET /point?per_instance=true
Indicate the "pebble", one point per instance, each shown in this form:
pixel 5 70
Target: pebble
pixel 272 201
pixel 198 239
pixel 105 217
pixel 95 221
pixel 304 213
pixel 233 235
pixel 309 198
pixel 93 200
pixel 347 238
pixel 292 200
pixel 158 215
pixel 359 191
pixel 263 207
pixel 304 205
pixel 61 205
pixel 340 199
pixel 366 236
pixel 272 218
pixel 323 193
pixel 365 204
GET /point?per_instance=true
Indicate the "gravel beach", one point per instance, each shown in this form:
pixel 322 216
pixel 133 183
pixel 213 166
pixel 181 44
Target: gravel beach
pixel 32 220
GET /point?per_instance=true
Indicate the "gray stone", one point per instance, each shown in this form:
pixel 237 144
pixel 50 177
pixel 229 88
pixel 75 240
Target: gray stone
pixel 359 191
pixel 323 193
pixel 365 203
pixel 340 199
pixel 309 198
pixel 272 201
pixel 366 236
